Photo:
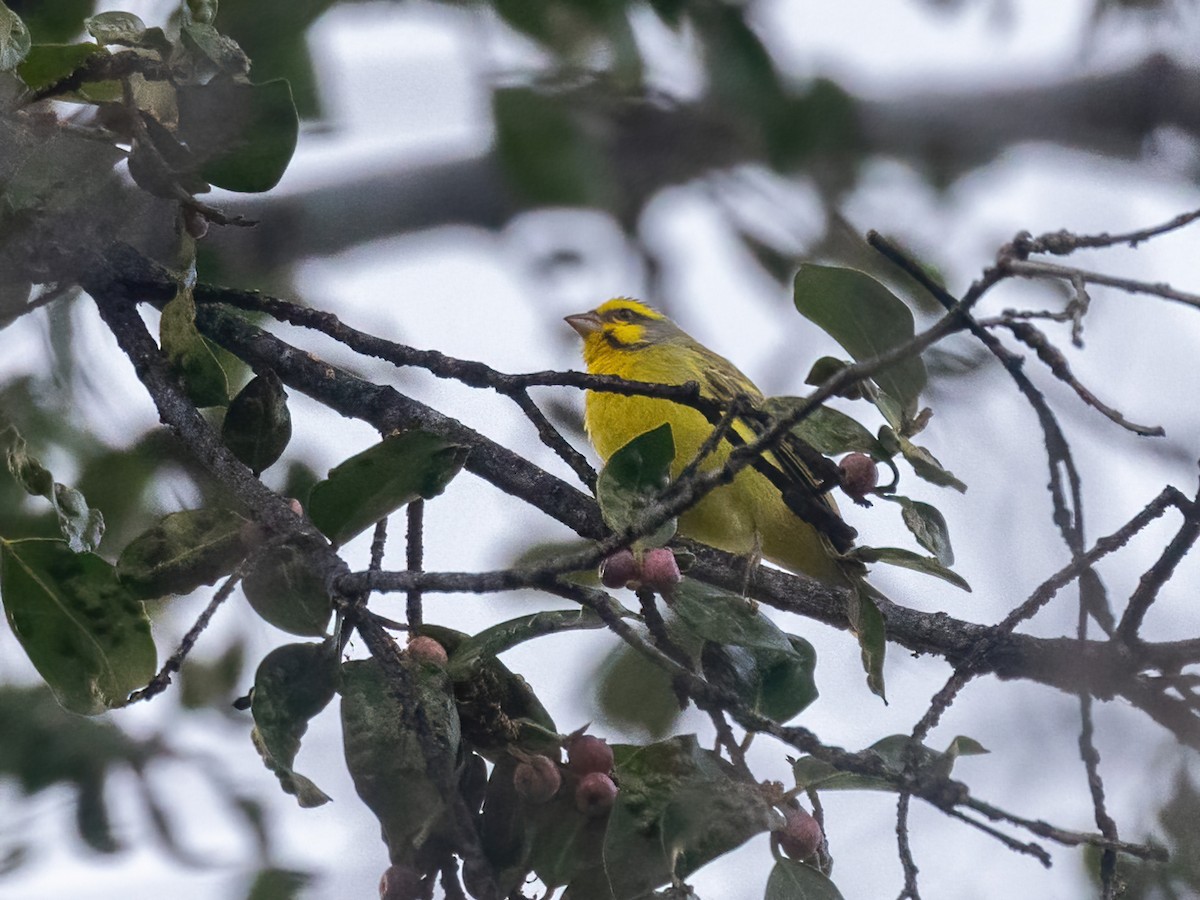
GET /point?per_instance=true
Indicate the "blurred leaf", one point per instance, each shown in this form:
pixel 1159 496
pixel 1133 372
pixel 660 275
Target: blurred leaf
pixel 278 884
pixel 814 774
pixel 49 64
pixel 866 621
pixel 398 766
pixel 244 134
pixel 293 683
pixel 928 526
pixel 283 589
pixel 14 39
pixel 894 556
pixel 372 485
pixel 741 73
pixel 546 152
pixel 633 692
pixel 189 353
pixel 218 49
pixel 115 27
pixel 182 551
pixel 258 425
pixel 493 641
pixel 793 880
pixel 203 684
pixel 632 480
pixel 866 319
pixel 84 633
pixel 82 526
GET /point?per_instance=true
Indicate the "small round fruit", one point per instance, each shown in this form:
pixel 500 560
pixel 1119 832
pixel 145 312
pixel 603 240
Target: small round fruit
pixel 595 794
pixel 801 834
pixel 586 753
pixel 618 570
pixel 427 650
pixel 537 780
pixel 400 883
pixel 660 571
pixel 295 506
pixel 859 475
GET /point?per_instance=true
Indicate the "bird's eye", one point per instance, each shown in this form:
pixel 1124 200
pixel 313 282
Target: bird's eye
pixel 623 315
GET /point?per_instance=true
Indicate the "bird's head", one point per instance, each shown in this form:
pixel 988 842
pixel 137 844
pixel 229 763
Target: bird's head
pixel 619 325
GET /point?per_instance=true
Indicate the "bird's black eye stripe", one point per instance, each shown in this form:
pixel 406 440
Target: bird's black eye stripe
pixel 623 315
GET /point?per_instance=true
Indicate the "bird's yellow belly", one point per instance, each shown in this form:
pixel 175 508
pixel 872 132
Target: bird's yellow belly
pixel 745 517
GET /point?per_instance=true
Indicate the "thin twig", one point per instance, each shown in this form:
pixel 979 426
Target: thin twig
pixel 1062 243
pixel 415 561
pixel 1037 269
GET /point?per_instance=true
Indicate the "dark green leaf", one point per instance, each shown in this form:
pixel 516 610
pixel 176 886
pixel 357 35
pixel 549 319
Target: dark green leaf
pixel 82 526
pixel 402 769
pixel 828 366
pixel 631 481
pixel 371 485
pixel 14 39
pixel 814 774
pixel 284 590
pixel 115 27
pixel 258 425
pixel 826 430
pixel 866 319
pixel 867 623
pixel 928 526
pixel 741 73
pixel 679 807
pixel 86 635
pixel 49 64
pixel 496 708
pixel 182 551
pixel 774 683
pixel 493 641
pixel 793 880
pixel 293 683
pixel 203 684
pixel 220 50
pixel 725 618
pixel 546 151
pixel 633 692
pixel 278 884
pixel 189 354
pixel 894 556
pixel 244 133
pixel 504 831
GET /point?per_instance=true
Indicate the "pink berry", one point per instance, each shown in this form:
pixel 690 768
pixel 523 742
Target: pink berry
pixel 586 754
pixel 400 883
pixel 427 650
pixel 801 834
pixel 859 475
pixel 537 780
pixel 295 506
pixel 618 570
pixel 660 571
pixel 595 794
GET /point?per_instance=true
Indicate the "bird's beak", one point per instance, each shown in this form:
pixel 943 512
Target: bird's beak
pixel 585 323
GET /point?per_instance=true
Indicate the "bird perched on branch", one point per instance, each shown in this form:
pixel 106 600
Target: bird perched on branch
pixel 749 516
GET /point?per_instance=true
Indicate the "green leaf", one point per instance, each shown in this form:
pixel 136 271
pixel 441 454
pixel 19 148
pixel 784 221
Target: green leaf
pixel 867 623
pixel 402 767
pixel 115 27
pixel 866 319
pixel 244 133
pixel 496 708
pixel 49 64
pixel 634 693
pixel 182 551
pixel 725 618
pixel 923 462
pixel 493 641
pixel 82 526
pixel 86 635
pixel 894 556
pixel 814 774
pixel 284 590
pixel 273 883
pixel 372 485
pixel 219 50
pixel 928 526
pixel 633 479
pixel 546 151
pixel 293 683
pixel 204 683
pixel 14 39
pixel 189 354
pixel 258 425
pixel 826 430
pixel 828 366
pixel 679 807
pixel 793 880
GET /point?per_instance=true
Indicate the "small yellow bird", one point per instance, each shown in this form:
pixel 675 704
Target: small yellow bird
pixel 629 339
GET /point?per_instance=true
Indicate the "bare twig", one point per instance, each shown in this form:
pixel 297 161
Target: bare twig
pixel 415 559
